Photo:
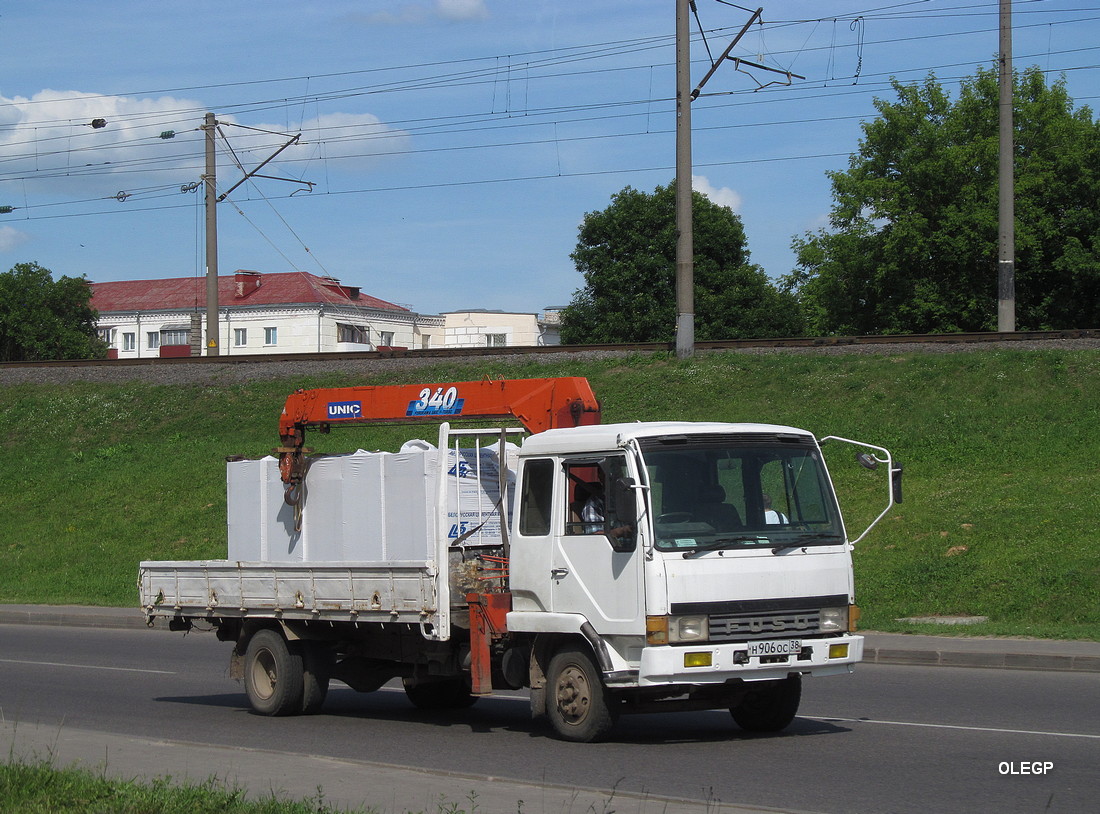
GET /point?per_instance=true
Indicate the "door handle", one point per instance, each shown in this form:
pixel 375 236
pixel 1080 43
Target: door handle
pixel 559 573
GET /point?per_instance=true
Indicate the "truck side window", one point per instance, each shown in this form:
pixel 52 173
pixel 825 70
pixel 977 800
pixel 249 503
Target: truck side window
pixel 584 499
pixel 536 496
pixel 589 509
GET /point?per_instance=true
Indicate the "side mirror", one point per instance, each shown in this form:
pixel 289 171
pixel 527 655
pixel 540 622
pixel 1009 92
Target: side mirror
pixel 622 519
pixel 867 460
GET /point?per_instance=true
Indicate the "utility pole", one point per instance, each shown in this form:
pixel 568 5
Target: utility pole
pixel 685 95
pixel 213 329
pixel 1006 263
pixel 210 125
pixel 685 269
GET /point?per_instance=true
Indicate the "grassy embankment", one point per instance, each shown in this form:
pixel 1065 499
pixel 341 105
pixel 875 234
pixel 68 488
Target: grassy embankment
pixel 1000 452
pixel 38 788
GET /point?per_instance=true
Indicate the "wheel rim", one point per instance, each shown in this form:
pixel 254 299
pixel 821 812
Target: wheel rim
pixel 573 695
pixel 265 677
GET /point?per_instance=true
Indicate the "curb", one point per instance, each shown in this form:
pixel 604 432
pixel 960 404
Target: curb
pixel 994 660
pixel 878 648
pixel 72 616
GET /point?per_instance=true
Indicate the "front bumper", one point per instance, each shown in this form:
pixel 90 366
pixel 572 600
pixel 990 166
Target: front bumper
pixel 665 665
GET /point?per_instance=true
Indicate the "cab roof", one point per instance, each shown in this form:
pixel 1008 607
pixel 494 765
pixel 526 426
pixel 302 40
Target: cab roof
pixel 604 437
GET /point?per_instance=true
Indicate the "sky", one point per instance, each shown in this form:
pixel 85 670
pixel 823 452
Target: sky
pixel 449 149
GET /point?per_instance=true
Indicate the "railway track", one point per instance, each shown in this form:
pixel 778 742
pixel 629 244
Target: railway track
pixel 638 347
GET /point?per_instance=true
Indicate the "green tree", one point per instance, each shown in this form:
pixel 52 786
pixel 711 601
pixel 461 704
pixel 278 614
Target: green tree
pixel 913 243
pixel 42 319
pixel 627 254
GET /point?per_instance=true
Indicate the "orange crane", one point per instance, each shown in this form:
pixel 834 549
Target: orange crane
pixel 539 404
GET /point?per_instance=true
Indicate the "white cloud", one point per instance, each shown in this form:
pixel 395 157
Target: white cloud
pixel 462 9
pixel 419 13
pixel 723 196
pixel 52 136
pixel 11 238
pixel 50 144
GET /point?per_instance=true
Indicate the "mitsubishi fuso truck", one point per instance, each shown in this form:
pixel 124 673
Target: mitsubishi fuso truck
pixel 607 568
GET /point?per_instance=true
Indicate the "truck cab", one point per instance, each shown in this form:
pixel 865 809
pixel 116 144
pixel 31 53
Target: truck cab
pixel 718 561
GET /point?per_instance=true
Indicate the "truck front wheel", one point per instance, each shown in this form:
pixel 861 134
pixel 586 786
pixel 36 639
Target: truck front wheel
pixel 769 708
pixel 578 705
pixel 273 674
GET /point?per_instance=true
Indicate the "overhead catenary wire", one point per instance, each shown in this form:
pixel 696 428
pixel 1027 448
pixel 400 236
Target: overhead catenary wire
pixel 490 74
pixel 466 71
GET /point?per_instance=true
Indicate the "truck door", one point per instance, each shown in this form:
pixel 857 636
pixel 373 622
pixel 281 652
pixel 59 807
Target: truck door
pixel 588 574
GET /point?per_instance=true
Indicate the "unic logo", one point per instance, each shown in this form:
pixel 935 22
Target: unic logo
pixel 345 409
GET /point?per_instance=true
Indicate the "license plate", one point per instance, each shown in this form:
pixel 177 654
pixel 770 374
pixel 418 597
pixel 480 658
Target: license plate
pixel 786 647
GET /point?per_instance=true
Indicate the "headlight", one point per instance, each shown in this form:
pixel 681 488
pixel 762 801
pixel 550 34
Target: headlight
pixel 688 629
pixel 834 620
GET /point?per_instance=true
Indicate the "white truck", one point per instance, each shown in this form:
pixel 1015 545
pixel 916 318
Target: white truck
pixel 641 567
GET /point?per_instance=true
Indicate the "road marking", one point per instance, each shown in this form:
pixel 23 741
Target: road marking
pixel 87 666
pixel 953 726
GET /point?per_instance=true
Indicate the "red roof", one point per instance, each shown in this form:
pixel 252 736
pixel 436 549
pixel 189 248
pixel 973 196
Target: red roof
pixel 243 288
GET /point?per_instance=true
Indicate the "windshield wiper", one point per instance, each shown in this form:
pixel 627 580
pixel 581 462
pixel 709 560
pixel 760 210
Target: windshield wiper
pixel 807 540
pixel 721 542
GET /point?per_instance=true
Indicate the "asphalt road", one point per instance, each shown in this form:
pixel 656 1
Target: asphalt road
pixel 887 739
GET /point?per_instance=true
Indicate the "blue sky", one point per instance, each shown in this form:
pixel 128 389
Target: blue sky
pixel 453 146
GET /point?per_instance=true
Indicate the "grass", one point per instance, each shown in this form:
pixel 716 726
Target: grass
pixel 38 787
pixel 999 449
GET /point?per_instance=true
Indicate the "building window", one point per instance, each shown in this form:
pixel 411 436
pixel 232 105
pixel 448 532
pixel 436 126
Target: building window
pixel 358 334
pixel 240 337
pixel 129 341
pixel 107 335
pixel 152 340
pixel 271 336
pixel 496 340
pixel 175 337
pixel 385 339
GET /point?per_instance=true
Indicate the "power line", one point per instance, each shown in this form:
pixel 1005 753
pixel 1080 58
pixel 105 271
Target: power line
pixel 441 126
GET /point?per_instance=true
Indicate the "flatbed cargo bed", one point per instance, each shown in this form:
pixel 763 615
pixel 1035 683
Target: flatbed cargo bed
pixel 404 592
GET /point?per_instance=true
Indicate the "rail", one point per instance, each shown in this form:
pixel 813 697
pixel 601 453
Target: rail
pixel 637 347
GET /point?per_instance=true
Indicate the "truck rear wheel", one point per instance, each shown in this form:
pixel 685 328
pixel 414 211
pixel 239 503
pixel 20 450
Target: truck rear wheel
pixel 769 708
pixel 273 674
pixel 317 663
pixel 578 705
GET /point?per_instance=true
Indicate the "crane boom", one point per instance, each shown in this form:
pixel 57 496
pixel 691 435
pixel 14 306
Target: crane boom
pixel 539 404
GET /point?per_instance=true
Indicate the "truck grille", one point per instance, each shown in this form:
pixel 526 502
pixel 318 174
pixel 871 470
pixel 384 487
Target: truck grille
pixel 740 627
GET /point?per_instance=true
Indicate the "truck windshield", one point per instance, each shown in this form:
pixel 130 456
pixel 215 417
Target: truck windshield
pixel 749 491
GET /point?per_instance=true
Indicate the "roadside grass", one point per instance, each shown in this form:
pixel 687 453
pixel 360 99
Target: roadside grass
pixel 1002 472
pixel 38 787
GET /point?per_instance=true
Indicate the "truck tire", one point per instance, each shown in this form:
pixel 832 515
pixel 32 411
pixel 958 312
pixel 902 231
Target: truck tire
pixel 273 674
pixel 451 693
pixel 578 706
pixel 769 708
pixel 317 664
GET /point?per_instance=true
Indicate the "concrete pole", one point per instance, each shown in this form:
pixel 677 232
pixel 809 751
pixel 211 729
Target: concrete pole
pixel 213 329
pixel 685 270
pixel 1006 263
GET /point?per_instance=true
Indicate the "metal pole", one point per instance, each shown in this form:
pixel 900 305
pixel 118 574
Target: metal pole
pixel 213 330
pixel 685 271
pixel 1006 264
